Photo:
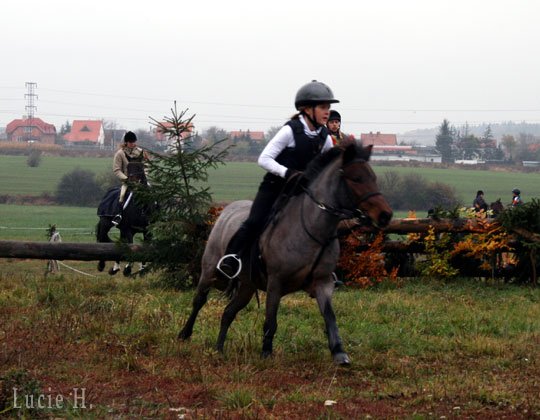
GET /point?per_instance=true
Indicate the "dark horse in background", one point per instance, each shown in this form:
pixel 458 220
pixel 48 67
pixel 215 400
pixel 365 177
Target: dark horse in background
pixel 135 217
pixel 299 249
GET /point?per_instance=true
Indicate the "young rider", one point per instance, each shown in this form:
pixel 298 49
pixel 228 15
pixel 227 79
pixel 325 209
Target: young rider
pixel 516 197
pixel 128 153
pixel 334 126
pixel 302 138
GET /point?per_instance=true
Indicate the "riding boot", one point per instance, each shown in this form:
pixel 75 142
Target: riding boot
pixel 118 217
pixel 231 263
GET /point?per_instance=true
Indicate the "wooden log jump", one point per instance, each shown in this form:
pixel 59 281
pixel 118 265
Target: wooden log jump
pixel 67 250
pixel 117 251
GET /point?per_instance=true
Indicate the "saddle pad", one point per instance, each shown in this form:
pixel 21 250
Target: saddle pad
pixel 109 204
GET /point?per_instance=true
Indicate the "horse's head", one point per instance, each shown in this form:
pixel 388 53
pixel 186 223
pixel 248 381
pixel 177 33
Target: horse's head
pixel 135 172
pixel 362 184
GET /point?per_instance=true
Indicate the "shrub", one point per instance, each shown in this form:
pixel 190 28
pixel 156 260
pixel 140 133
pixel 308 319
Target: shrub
pixel 414 192
pixel 34 158
pixel 78 188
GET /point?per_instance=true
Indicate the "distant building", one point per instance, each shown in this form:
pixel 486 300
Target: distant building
pixel 31 130
pixel 378 139
pixel 252 135
pixel 89 132
pixel 405 154
pixel 161 137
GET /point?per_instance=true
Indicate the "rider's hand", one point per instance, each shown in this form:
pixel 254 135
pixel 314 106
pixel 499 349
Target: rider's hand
pixel 292 174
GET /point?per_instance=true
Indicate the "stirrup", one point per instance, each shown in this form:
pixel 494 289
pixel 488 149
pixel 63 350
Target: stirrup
pixel 116 220
pixel 238 260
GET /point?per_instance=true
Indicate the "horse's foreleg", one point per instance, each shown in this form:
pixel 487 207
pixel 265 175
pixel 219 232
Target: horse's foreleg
pixel 238 302
pixel 323 294
pixel 273 298
pixel 127 270
pixel 115 268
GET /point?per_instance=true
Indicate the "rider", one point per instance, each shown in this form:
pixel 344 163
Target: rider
pixel 479 203
pixel 516 197
pixel 302 138
pixel 128 153
pixel 334 127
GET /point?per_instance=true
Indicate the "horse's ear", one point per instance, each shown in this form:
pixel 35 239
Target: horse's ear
pixel 349 153
pixel 367 151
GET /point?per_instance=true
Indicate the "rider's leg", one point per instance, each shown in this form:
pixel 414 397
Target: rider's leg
pixel 118 217
pixel 230 264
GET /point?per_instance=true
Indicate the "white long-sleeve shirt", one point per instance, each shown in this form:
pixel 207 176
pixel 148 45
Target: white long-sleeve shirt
pixel 285 138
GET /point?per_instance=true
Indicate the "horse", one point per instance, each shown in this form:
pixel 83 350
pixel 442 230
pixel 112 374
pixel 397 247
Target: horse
pixel 497 207
pixel 298 248
pixel 135 219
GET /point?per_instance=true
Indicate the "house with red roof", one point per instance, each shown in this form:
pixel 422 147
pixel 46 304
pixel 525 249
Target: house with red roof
pixel 31 130
pixel 161 136
pixel 252 135
pixel 87 132
pixel 378 139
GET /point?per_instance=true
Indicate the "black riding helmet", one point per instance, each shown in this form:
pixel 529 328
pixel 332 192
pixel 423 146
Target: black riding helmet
pixel 130 136
pixel 314 93
pixel 334 116
pixel 516 191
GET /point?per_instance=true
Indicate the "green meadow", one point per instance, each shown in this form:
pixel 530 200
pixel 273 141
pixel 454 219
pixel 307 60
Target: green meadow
pixel 239 180
pixel 232 181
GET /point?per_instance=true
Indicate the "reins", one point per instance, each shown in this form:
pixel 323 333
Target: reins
pixel 340 213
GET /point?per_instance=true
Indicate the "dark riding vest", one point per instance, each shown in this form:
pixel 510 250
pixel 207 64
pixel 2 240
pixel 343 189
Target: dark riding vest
pixel 304 151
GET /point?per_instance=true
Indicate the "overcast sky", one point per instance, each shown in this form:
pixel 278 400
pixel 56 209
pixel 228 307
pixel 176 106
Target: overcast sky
pixel 396 65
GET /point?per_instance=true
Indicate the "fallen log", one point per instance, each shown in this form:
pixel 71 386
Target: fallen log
pixel 68 251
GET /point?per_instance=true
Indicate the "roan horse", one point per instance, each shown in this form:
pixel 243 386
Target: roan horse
pixel 135 218
pixel 298 248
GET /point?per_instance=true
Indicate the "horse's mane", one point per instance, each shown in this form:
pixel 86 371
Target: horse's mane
pixel 315 167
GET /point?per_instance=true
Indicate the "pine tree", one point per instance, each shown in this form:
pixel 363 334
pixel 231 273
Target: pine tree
pixel 180 224
pixel 444 142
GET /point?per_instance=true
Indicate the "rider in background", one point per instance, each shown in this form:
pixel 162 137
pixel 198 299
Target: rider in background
pixel 334 127
pixel 128 153
pixel 285 156
pixel 516 197
pixel 479 203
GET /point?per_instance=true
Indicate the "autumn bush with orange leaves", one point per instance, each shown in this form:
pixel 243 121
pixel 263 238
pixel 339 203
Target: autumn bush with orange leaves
pixel 364 268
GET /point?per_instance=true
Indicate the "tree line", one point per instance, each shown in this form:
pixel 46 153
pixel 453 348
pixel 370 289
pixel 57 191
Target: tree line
pixel 459 143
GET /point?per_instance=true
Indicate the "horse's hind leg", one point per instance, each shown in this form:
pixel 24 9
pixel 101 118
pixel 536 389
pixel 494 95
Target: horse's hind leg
pixel 198 302
pixel 323 294
pixel 238 302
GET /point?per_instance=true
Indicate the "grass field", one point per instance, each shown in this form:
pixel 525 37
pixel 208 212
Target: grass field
pixel 234 181
pixel 239 180
pixel 427 349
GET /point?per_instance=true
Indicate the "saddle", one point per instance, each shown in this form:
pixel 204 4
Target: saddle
pixel 108 207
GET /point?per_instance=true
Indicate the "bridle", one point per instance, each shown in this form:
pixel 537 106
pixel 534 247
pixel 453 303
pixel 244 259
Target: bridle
pixel 340 212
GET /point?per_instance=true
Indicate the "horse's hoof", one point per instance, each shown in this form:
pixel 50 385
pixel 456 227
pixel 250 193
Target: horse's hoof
pixel 113 271
pixel 183 335
pixel 266 354
pixel 101 266
pixel 342 359
pixel 127 271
